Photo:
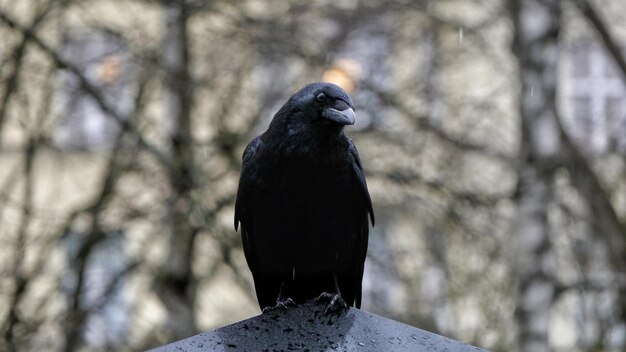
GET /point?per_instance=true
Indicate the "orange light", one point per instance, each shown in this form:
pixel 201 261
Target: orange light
pixel 110 68
pixel 339 78
pixel 344 73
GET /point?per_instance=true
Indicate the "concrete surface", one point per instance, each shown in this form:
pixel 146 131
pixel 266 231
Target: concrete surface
pixel 305 328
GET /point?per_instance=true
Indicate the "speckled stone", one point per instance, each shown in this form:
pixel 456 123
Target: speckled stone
pixel 306 328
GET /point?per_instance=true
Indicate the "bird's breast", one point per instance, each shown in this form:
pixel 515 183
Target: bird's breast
pixel 305 212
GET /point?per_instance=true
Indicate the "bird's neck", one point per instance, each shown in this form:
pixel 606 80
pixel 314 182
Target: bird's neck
pixel 303 141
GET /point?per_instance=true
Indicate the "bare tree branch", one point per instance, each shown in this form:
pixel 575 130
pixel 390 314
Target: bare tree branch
pixel 12 83
pixel 123 120
pixel 594 17
pixel 604 218
pixel 20 246
pixel 423 122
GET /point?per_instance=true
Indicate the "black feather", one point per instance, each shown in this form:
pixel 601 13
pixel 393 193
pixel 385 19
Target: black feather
pixel 303 201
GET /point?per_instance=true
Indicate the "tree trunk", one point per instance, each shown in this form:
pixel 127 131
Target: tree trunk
pixel 175 283
pixel 537 24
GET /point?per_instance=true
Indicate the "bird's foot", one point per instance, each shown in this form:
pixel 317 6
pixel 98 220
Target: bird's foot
pixel 335 303
pixel 282 304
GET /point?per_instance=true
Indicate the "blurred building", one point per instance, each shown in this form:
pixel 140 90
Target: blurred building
pixel 450 84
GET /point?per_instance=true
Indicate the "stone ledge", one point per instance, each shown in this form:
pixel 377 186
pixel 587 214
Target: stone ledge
pixel 305 328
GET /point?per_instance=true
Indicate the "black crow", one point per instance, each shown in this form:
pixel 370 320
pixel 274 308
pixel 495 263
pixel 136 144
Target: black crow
pixel 303 203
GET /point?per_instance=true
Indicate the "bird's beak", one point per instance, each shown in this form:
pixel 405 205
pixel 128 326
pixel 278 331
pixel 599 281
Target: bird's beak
pixel 341 113
pixel 342 117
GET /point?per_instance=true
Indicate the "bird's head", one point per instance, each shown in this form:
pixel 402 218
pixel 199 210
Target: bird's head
pixel 319 104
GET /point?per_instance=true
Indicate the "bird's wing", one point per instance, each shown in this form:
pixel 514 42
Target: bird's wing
pixel 248 154
pixel 363 202
pixel 358 170
pixel 241 211
pixel 266 287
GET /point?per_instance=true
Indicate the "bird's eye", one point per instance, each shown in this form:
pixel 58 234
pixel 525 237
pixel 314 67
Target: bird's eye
pixel 321 97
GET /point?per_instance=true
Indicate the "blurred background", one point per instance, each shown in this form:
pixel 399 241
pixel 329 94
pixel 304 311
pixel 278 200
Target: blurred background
pixel 492 132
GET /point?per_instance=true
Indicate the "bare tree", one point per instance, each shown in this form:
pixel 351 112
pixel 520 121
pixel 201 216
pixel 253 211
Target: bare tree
pixel 476 181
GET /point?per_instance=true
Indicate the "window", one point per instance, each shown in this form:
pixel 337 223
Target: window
pixel 104 60
pixel 596 99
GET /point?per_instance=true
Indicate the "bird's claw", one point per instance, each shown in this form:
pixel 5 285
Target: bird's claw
pixel 282 304
pixel 336 303
pixel 286 303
